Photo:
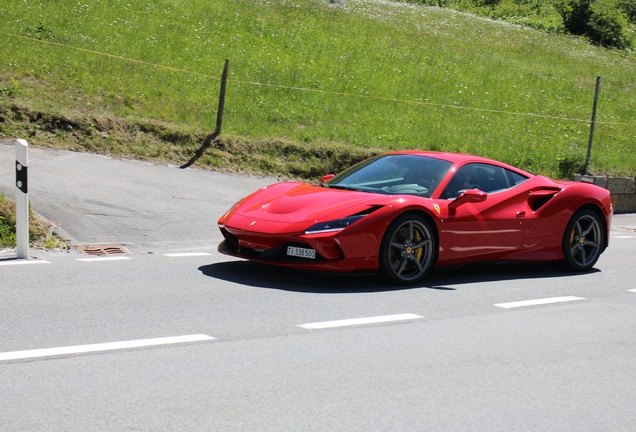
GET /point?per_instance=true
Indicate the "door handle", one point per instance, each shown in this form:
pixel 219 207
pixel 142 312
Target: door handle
pixel 521 214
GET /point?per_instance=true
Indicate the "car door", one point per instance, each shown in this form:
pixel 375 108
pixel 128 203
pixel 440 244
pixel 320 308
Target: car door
pixel 488 222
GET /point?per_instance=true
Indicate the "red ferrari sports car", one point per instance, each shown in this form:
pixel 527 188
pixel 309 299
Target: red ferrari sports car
pixel 401 213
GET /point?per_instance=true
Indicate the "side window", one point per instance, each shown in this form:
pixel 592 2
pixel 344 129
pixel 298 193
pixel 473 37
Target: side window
pixel 515 178
pixel 490 178
pixel 460 182
pixel 487 178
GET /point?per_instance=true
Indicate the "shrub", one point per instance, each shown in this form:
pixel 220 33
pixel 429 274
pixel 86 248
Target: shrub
pixel 607 26
pixel 629 8
pixel 575 13
pixel 570 164
pixel 603 22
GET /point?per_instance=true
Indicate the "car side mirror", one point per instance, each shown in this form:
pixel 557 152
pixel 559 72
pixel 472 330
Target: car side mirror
pixel 469 196
pixel 326 178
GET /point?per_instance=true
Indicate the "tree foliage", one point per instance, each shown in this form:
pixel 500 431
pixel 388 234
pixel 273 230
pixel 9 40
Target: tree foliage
pixel 603 22
pixel 575 14
pixel 629 8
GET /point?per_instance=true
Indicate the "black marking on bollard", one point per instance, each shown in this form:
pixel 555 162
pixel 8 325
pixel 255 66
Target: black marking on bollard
pixel 21 177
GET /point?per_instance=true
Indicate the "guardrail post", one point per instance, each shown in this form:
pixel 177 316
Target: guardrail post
pixel 22 199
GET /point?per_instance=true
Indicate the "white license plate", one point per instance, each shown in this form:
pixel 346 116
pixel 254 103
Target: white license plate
pixel 301 252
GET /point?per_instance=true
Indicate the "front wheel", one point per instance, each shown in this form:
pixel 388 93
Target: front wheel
pixel 407 250
pixel 583 240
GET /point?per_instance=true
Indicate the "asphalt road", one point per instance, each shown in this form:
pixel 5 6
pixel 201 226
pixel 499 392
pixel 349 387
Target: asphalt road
pixel 463 360
pixel 148 208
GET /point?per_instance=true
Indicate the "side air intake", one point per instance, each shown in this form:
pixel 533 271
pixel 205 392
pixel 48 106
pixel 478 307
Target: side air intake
pixel 538 198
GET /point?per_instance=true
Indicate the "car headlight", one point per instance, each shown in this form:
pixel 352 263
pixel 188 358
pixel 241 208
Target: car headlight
pixel 334 225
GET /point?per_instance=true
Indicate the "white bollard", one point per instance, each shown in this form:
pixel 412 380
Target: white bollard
pixel 22 199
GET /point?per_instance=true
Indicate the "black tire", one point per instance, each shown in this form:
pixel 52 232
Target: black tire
pixel 583 240
pixel 407 250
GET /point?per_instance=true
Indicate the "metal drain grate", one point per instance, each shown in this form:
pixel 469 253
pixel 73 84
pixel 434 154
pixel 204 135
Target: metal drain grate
pixel 102 250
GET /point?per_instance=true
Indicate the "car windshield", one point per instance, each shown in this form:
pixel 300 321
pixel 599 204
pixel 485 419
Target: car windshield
pixel 393 174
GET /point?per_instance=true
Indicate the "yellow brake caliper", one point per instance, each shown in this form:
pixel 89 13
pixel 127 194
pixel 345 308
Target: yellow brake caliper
pixel 418 251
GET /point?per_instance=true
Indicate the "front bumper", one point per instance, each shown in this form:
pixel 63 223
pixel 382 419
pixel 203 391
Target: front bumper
pixel 330 255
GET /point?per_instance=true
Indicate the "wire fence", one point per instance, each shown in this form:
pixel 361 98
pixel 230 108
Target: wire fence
pixel 304 89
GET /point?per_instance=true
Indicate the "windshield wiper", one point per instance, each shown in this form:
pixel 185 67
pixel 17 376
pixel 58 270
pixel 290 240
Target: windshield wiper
pixel 350 188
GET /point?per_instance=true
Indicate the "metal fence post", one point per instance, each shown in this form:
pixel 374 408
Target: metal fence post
pixel 589 144
pixel 22 199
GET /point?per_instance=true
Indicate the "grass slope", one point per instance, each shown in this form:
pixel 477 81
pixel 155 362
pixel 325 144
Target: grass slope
pixel 310 83
pixel 40 232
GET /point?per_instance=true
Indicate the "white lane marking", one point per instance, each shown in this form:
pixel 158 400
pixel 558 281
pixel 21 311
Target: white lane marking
pixel 186 254
pixel 110 346
pixel 624 237
pixel 359 321
pixel 632 290
pixel 538 302
pixel 21 262
pixel 106 258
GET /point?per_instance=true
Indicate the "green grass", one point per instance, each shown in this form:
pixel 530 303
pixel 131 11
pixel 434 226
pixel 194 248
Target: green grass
pixel 539 14
pixel 40 231
pixel 7 222
pixel 364 77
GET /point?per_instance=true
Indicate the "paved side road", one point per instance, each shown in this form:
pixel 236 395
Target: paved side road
pixel 148 208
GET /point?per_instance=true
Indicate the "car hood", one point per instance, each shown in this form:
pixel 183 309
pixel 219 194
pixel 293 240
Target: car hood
pixel 298 202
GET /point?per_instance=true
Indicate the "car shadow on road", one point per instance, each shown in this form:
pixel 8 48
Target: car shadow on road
pixel 445 278
pixel 267 276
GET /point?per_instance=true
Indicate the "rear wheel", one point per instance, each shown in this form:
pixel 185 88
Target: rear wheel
pixel 583 240
pixel 407 250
